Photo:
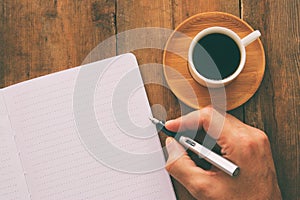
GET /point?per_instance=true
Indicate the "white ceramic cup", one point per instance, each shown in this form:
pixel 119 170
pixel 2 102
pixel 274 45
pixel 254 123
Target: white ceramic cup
pixel 241 43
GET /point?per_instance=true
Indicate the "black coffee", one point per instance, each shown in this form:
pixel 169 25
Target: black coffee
pixel 216 56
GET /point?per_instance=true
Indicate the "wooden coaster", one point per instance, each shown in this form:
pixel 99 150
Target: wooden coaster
pixel 175 59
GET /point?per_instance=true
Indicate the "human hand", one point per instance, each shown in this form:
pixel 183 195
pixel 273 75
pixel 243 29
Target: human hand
pixel 242 144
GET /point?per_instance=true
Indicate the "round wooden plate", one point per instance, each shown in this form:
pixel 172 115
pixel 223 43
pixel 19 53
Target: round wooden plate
pixel 175 60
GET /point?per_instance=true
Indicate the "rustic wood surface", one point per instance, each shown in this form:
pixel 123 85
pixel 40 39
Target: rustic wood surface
pixel 41 37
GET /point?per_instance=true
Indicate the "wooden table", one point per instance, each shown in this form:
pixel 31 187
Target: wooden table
pixel 40 37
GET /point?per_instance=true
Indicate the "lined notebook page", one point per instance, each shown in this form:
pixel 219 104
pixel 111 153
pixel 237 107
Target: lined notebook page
pixel 57 164
pixel 12 179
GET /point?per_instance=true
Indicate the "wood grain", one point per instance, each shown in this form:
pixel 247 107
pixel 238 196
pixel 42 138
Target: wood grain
pixel 140 14
pixel 40 37
pixel 276 107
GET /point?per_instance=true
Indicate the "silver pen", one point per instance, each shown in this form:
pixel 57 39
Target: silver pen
pixel 203 152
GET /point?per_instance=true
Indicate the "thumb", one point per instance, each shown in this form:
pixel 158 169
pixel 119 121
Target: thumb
pixel 182 167
pixel 175 151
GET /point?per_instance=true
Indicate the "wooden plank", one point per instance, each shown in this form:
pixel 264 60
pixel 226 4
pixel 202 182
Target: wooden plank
pixel 276 106
pixel 141 14
pixel 184 9
pixel 40 37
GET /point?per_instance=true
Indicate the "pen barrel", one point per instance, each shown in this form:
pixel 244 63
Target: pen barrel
pixel 210 156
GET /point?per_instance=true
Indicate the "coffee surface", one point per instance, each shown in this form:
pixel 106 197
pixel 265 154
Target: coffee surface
pixel 216 56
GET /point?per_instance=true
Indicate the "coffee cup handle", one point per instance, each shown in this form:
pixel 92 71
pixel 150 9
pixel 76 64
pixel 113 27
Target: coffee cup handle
pixel 250 38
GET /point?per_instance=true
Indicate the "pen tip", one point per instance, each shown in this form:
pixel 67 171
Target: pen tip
pixel 153 120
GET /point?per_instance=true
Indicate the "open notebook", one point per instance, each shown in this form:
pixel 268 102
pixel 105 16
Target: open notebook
pixel 42 155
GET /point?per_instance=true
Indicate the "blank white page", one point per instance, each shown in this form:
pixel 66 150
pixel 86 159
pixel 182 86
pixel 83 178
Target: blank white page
pixel 12 179
pixel 57 164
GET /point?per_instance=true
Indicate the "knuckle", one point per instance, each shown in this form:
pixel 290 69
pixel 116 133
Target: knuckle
pixel 260 137
pixel 249 143
pixel 170 166
pixel 263 138
pixel 206 116
pixel 253 143
pixel 208 110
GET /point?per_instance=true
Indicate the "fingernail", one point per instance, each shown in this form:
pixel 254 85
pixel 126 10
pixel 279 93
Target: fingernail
pixel 169 140
pixel 168 122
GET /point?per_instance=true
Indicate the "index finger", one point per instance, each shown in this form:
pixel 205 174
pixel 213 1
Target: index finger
pixel 215 123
